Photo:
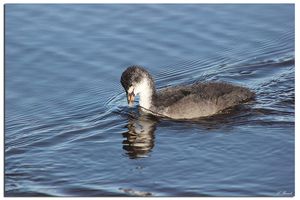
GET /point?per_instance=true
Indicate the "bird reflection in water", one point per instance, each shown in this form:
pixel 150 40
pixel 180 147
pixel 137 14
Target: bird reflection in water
pixel 139 139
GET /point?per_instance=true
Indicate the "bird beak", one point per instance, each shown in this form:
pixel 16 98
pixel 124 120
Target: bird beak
pixel 130 99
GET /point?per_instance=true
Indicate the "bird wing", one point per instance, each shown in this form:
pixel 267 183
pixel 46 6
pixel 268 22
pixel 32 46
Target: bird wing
pixel 220 93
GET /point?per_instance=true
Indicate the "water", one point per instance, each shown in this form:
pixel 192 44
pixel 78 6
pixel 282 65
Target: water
pixel 69 132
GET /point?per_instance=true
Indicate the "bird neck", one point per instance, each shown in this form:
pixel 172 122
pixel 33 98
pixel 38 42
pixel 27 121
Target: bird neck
pixel 147 93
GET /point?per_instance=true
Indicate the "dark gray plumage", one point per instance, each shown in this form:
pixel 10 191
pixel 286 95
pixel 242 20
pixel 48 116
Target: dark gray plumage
pixel 185 101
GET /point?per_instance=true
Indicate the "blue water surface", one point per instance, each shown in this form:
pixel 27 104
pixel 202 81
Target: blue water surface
pixel 69 131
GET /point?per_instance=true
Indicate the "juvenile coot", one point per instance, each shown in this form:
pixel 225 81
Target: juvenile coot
pixel 184 101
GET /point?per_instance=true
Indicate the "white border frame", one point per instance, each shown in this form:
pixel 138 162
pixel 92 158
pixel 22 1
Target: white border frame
pixel 297 130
